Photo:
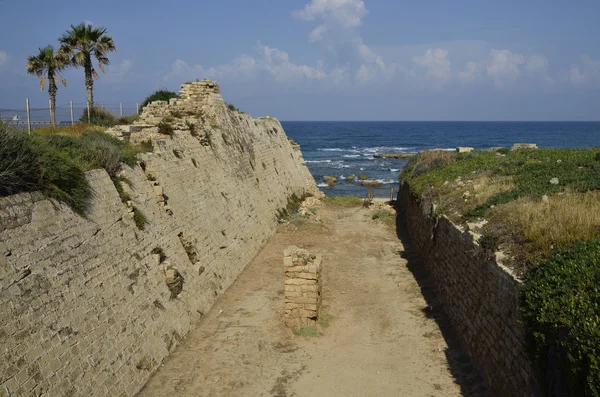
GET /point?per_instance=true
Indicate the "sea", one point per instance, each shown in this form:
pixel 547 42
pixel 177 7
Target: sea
pixel 340 148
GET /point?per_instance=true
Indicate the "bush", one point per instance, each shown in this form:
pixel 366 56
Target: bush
pixel 126 120
pixel 165 128
pixel 19 170
pixel 139 218
pixel 56 164
pixel 98 116
pixel 161 95
pixel 231 107
pixel 560 303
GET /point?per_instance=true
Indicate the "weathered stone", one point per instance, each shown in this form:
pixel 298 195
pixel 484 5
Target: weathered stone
pixel 302 287
pixel 518 146
pixel 464 149
pixel 97 301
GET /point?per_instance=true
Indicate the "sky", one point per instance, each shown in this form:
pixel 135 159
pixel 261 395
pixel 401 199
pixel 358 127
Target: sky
pixel 328 59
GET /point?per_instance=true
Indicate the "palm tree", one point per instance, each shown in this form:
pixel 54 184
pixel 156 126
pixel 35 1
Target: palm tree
pixel 80 44
pixel 47 65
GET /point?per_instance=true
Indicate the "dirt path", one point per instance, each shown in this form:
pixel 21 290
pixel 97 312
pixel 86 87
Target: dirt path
pixel 379 342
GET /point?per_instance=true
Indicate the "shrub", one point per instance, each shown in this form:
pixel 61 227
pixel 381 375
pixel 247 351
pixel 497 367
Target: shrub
pixel 176 114
pixel 19 169
pixel 126 120
pixel 98 116
pixel 139 218
pixel 192 127
pixel 56 164
pixel 165 128
pixel 231 107
pixel 560 303
pixel 160 95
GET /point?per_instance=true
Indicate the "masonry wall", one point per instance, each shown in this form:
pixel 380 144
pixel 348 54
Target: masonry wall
pixel 85 309
pixel 479 296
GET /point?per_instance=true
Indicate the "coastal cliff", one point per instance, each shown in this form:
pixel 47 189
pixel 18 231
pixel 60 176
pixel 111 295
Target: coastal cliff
pixel 92 305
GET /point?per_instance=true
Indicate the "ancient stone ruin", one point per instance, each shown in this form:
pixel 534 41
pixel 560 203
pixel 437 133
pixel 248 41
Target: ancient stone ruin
pixel 302 287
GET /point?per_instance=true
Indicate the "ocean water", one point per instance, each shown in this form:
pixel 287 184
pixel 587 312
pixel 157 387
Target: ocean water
pixel 346 148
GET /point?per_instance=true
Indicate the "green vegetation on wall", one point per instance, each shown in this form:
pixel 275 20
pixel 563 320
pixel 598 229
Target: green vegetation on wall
pixel 56 164
pixel 560 303
pixel 544 206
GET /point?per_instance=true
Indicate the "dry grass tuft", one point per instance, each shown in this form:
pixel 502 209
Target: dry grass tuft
pixel 71 130
pixel 541 226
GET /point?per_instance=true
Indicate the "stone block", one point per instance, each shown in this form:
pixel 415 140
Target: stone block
pixel 464 149
pixel 518 146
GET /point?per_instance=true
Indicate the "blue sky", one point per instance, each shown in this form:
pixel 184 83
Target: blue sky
pixel 330 59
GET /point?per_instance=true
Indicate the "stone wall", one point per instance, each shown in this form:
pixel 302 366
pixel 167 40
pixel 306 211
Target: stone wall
pixel 479 296
pixel 302 287
pixel 90 306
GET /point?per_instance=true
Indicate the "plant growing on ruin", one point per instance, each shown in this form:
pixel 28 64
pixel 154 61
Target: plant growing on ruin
pixel 560 303
pixel 165 128
pixel 48 65
pixel 139 218
pixel 82 43
pixel 192 127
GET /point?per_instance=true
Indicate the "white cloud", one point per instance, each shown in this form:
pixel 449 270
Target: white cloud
pixel 317 33
pixel 87 22
pixel 474 71
pixel 436 64
pixel 268 61
pixel 347 13
pixel 538 67
pixel 503 66
pixel 586 74
pixel 4 58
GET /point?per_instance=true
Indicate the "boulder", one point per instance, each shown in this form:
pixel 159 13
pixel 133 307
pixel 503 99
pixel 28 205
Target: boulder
pixel 362 177
pixel 371 183
pixel 464 149
pixel 330 180
pixel 518 146
pixel 392 155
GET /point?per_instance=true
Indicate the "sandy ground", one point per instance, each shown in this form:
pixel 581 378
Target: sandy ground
pixel 381 341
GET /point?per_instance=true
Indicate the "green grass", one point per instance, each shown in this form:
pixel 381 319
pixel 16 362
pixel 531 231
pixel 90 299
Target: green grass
pixel 532 170
pixel 306 332
pixel 344 201
pixel 56 164
pixel 165 128
pixel 291 209
pixel 384 216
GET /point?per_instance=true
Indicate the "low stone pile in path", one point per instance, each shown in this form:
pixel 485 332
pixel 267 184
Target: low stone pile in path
pixel 302 287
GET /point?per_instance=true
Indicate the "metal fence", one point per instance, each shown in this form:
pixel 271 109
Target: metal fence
pixel 31 117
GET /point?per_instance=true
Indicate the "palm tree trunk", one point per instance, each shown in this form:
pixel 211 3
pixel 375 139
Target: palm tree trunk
pixel 52 92
pixel 89 82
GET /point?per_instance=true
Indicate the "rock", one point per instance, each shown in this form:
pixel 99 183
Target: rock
pixel 518 146
pixel 174 281
pixel 350 178
pixel 466 194
pixel 362 177
pixel 464 149
pixel 554 181
pixel 392 155
pixel 330 180
pixel 545 199
pixel 371 183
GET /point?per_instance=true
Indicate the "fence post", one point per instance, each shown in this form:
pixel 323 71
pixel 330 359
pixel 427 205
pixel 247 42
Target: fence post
pixel 28 116
pixel 88 110
pixel 137 108
pixel 121 108
pixel 72 119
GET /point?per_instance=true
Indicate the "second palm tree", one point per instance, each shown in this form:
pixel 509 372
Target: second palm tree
pixel 80 44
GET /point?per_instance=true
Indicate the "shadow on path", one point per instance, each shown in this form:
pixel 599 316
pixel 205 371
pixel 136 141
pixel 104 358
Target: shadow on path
pixel 459 362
